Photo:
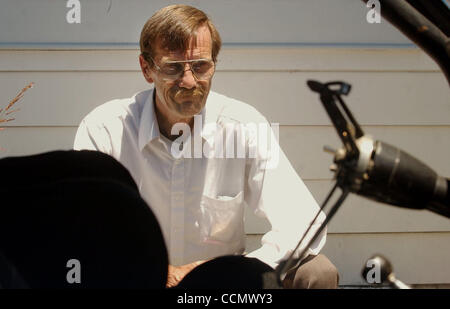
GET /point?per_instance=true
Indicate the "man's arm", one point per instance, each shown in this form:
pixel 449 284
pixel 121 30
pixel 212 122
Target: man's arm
pixel 287 204
pixel 92 137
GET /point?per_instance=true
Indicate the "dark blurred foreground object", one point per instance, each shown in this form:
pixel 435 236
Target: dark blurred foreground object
pixel 84 205
pixel 59 165
pixel 81 205
pixel 237 272
pixel 426 23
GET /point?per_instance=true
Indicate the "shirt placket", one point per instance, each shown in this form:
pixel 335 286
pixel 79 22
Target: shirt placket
pixel 177 212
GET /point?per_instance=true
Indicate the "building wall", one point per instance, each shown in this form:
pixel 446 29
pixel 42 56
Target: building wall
pixel 270 49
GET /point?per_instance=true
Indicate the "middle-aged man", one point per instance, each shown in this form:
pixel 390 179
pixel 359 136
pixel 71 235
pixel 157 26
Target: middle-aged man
pixel 197 193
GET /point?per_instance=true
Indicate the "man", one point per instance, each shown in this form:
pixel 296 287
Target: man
pixel 197 193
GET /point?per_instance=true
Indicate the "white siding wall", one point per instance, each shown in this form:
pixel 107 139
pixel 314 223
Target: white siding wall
pixel 271 48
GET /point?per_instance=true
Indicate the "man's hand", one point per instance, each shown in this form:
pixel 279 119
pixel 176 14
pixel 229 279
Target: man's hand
pixel 177 273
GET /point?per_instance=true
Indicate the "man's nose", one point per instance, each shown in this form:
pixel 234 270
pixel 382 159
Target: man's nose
pixel 187 79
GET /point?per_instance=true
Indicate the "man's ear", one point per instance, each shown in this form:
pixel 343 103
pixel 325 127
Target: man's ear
pixel 145 68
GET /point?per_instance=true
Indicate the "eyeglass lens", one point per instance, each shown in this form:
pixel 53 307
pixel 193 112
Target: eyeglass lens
pixel 202 69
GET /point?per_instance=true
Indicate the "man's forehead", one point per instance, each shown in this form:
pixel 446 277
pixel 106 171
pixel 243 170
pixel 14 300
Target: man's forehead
pixel 199 44
pixel 192 51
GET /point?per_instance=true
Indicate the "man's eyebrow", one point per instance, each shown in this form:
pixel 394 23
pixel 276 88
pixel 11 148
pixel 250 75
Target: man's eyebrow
pixel 187 60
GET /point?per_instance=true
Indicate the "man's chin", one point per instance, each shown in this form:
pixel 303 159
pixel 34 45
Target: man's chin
pixel 187 109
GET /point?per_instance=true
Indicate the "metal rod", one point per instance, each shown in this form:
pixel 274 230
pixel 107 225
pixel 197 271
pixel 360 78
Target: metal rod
pixel 285 265
pixel 420 30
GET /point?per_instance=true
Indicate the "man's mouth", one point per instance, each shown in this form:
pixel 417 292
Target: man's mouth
pixel 188 96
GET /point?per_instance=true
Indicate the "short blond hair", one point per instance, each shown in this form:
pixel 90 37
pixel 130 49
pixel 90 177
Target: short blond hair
pixel 173 27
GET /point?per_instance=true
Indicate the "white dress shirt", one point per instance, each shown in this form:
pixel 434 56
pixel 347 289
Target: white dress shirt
pixel 199 200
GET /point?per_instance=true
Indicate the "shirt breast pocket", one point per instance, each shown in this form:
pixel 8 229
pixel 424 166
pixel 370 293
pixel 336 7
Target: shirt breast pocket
pixel 222 219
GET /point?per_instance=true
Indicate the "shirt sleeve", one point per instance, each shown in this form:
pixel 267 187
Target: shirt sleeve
pixel 275 191
pixel 92 137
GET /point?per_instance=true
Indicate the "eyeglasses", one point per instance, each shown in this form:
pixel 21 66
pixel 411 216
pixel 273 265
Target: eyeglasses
pixel 202 69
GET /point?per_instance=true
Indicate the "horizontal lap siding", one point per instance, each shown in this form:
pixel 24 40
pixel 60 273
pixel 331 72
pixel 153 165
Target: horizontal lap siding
pixel 398 95
pixel 239 22
pixel 390 87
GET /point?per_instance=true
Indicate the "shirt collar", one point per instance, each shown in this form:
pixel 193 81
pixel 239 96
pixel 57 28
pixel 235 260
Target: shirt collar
pixel 148 126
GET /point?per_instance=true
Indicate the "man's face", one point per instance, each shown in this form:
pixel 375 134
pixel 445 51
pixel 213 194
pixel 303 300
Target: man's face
pixel 186 96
